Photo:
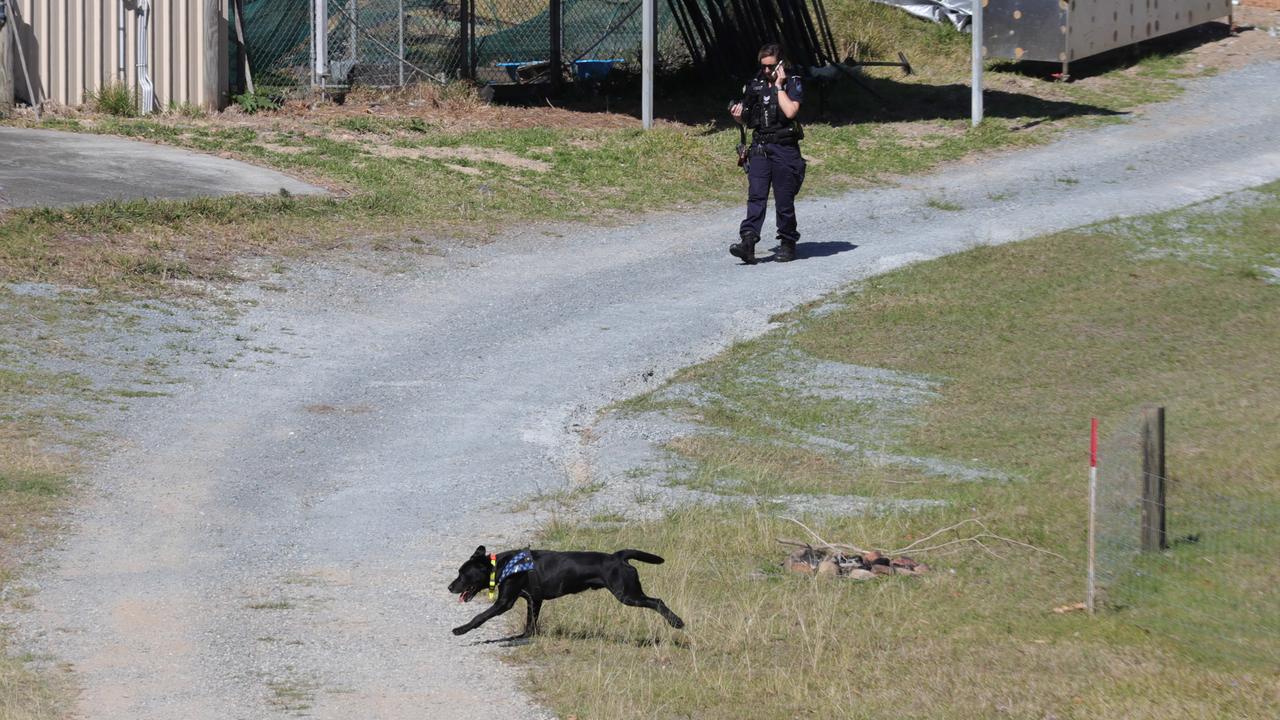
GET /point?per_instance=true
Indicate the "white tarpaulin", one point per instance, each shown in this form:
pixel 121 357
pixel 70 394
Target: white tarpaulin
pixel 955 12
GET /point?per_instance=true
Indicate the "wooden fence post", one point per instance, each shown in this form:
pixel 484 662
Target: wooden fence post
pixel 1153 477
pixel 7 35
pixel 214 93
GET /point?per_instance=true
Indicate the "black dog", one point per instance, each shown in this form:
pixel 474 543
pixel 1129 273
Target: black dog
pixel 553 575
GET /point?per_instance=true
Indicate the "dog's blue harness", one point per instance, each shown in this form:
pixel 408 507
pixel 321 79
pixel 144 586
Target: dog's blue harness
pixel 520 562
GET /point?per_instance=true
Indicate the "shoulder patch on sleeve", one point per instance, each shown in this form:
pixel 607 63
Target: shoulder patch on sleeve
pixel 794 89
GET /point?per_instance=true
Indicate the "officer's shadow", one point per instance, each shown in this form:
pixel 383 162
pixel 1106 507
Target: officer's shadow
pixel 806 250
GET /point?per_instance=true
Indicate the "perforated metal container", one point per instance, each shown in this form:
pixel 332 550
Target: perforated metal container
pixel 1068 30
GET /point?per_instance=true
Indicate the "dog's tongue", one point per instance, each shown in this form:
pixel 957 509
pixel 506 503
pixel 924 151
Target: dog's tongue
pixel 462 598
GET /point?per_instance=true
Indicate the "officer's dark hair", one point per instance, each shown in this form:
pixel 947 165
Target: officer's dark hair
pixel 768 49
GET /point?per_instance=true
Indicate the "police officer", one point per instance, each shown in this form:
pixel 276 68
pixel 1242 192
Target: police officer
pixel 770 103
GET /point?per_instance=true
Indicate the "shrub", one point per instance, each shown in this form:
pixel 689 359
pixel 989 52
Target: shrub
pixel 257 101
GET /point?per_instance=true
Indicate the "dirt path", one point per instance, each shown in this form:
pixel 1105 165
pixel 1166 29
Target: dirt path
pixel 277 541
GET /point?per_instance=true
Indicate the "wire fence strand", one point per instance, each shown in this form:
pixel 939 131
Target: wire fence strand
pixel 1211 592
pixel 389 43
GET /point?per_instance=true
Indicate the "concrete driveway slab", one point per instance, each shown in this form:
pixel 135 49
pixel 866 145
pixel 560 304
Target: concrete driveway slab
pixel 47 168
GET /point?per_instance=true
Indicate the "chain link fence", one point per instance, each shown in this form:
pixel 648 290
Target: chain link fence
pixel 1188 554
pixel 388 43
pixel 276 38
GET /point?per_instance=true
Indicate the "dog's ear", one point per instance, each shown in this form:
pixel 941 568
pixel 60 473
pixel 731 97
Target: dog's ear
pixel 480 552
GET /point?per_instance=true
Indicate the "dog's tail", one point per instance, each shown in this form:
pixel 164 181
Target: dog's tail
pixel 640 555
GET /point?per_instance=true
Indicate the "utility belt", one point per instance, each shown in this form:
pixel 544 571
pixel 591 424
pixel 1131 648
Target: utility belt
pixel 790 135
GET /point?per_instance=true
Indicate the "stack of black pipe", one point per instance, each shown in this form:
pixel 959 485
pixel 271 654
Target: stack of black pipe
pixel 724 35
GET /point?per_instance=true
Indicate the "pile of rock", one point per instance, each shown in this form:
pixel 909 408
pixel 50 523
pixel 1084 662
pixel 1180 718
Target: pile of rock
pixel 832 562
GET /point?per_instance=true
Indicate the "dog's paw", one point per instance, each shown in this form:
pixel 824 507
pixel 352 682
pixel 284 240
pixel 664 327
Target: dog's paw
pixel 460 630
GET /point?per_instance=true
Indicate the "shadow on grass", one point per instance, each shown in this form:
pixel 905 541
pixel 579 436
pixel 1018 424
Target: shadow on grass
pixel 839 103
pixel 613 637
pixel 685 98
pixel 879 100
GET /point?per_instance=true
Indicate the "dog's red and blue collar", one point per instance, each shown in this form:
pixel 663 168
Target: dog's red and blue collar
pixel 520 562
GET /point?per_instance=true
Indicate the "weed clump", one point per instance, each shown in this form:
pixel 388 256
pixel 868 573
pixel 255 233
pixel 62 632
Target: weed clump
pixel 115 99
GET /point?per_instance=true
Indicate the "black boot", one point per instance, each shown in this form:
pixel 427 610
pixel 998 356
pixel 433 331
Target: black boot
pixel 745 248
pixel 786 251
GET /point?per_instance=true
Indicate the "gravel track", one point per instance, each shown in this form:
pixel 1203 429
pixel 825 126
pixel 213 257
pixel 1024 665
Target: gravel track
pixel 277 541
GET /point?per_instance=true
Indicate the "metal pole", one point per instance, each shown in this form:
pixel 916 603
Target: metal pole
pixel 471 39
pixel 468 22
pixel 555 56
pixel 120 70
pixel 352 49
pixel 146 90
pixel 646 73
pixel 400 57
pixel 975 28
pixel 320 42
pixel 1091 590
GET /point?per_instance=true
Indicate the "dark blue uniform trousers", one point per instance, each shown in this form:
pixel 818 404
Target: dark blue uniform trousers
pixel 781 167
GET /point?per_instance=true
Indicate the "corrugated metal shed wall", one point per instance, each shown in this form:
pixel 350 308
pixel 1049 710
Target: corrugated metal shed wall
pixel 72 48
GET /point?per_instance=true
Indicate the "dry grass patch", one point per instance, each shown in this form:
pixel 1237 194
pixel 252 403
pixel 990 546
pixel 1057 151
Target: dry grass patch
pixel 33 484
pixel 976 643
pixel 26 695
pixel 471 154
pixel 1091 322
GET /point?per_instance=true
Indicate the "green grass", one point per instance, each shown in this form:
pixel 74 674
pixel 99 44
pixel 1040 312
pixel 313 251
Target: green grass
pixel 293 695
pixel 944 205
pixel 32 484
pixel 1026 341
pixel 870 31
pixel 403 175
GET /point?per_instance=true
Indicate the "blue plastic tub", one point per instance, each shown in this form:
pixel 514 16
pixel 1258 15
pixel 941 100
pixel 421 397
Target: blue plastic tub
pixel 594 70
